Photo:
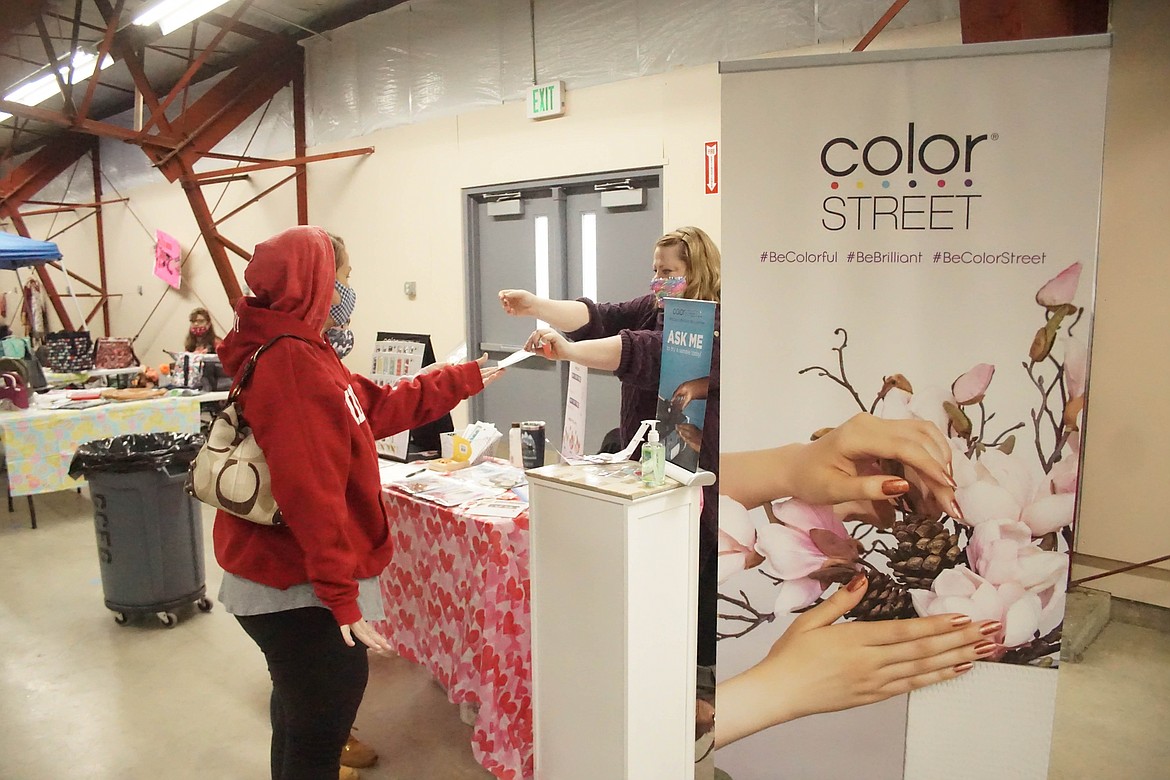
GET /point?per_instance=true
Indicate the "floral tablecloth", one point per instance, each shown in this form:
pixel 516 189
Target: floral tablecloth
pixel 457 602
pixel 39 443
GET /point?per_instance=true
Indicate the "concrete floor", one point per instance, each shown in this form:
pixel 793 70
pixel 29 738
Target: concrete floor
pixel 81 697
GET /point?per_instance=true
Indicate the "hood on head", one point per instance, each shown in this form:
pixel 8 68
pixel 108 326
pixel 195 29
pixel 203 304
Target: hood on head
pixel 293 273
pixel 291 280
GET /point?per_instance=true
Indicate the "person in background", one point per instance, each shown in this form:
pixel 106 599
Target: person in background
pixel 201 336
pixel 304 590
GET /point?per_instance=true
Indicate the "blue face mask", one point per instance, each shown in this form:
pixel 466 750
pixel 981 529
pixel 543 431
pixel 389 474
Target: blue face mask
pixel 343 311
pixel 670 287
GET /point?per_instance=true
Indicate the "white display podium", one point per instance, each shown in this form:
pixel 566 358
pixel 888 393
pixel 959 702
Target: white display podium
pixel 614 569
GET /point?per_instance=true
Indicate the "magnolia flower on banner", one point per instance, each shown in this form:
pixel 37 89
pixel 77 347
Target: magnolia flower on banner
pixel 808 548
pixel 1016 478
pixel 999 486
pixel 1025 614
pixel 737 539
pixel 1060 289
pixel 1076 371
pixel 1002 552
pixel 939 406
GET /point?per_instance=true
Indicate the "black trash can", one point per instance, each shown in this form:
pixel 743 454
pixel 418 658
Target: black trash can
pixel 149 530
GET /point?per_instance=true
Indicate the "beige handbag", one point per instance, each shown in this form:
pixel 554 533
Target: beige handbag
pixel 230 472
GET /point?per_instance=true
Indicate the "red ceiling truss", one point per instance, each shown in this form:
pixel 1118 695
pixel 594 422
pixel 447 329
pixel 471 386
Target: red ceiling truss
pixel 174 143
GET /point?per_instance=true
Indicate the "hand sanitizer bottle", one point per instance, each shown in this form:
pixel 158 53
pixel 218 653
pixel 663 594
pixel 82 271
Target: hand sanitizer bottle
pixel 653 458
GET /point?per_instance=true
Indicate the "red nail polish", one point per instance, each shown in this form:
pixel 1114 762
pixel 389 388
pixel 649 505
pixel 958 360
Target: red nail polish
pixel 966 666
pixel 993 627
pixel 985 648
pixel 895 487
pixel 954 511
pixel 958 621
pixel 856 584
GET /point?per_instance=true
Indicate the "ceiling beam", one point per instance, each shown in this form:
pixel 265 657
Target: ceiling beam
pixel 103 50
pixel 197 63
pixel 984 21
pixel 296 162
pixel 89 126
pixel 206 122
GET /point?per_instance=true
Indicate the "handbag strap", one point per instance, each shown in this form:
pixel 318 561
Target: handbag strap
pixel 251 366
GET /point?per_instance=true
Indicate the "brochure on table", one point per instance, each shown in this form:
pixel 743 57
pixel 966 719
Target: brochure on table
pixel 394 359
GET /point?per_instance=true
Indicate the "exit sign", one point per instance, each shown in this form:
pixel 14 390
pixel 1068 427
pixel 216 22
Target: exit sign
pixel 546 100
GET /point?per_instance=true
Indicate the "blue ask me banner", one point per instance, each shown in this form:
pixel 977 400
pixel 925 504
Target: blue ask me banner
pixel 687 334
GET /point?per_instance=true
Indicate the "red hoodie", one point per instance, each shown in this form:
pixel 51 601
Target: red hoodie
pixel 316 423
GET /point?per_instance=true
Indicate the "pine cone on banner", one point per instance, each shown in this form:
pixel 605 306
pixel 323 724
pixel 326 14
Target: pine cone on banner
pixel 925 548
pixel 1036 650
pixel 884 600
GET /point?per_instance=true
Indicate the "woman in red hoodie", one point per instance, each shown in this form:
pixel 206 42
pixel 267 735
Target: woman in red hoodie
pixel 304 590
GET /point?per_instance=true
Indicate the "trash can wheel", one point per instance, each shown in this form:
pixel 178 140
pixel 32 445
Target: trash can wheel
pixel 121 619
pixel 168 619
pixel 204 604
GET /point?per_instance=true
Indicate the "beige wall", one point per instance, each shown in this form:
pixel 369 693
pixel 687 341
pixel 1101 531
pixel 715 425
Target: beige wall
pixel 1127 462
pixel 401 209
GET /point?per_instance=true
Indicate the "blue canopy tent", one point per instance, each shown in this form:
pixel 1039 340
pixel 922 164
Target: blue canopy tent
pixel 20 252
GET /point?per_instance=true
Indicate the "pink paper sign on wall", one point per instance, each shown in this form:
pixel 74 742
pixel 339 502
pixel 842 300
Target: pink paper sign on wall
pixel 166 258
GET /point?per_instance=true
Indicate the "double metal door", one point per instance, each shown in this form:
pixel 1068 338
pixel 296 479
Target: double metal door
pixel 587 236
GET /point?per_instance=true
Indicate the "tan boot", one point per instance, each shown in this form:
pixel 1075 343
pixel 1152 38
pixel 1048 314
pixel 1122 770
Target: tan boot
pixel 348 773
pixel 357 754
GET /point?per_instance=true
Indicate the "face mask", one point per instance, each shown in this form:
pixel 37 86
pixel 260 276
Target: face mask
pixel 670 287
pixel 341 339
pixel 199 330
pixel 341 312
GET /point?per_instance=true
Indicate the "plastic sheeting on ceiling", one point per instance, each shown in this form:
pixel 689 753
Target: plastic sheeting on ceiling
pixel 431 58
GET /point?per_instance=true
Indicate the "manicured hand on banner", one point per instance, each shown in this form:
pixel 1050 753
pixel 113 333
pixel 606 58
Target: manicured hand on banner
pixel 842 466
pixel 819 665
pixel 368 636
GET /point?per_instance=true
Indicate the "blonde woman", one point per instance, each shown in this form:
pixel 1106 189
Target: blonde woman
pixel 626 338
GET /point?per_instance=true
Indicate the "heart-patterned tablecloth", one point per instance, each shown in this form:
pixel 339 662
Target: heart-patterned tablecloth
pixel 457 602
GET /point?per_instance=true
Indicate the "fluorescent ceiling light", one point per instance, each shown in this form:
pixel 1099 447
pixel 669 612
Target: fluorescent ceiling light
pixel 43 87
pixel 170 15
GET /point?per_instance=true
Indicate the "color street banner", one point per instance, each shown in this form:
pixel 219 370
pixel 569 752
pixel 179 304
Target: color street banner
pixel 688 332
pixel 911 235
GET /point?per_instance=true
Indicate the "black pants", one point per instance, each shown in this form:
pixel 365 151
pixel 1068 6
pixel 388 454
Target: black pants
pixel 317 685
pixel 708 609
